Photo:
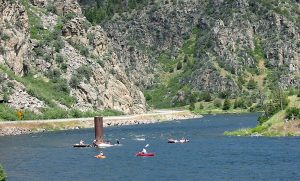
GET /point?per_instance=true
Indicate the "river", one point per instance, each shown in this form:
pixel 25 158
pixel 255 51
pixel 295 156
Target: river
pixel 208 156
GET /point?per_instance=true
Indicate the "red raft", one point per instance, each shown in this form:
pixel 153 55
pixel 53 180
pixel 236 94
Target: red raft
pixel 145 154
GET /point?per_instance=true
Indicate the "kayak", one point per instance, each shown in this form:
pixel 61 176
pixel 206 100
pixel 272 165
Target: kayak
pixel 100 156
pixel 81 145
pixel 145 154
pixel 172 141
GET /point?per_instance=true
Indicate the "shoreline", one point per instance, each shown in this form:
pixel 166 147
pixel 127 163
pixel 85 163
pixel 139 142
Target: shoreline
pixel 11 128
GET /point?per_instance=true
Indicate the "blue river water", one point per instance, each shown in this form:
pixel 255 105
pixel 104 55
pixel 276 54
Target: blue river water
pixel 208 156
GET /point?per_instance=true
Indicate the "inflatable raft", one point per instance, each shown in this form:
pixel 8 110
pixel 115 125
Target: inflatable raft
pixel 100 156
pixel 145 154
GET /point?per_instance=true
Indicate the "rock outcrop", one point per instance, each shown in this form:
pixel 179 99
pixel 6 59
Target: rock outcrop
pixel 14 36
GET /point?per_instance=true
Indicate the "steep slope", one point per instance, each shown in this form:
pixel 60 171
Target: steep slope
pixel 60 60
pixel 176 52
pixel 240 48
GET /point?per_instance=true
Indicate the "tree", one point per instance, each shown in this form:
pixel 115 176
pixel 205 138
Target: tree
pixel 2 174
pixel 226 104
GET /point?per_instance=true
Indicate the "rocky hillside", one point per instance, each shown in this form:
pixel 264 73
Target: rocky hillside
pixel 51 56
pixel 99 54
pixel 213 47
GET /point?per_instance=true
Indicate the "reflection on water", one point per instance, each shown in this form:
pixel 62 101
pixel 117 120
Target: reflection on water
pixel 208 156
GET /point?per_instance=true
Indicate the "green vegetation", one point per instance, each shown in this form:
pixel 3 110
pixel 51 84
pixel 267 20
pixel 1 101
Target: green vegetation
pixel 282 122
pixel 9 114
pixel 2 173
pixel 105 10
pixel 42 89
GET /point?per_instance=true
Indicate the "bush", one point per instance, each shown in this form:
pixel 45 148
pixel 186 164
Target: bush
pixel 58 44
pixel 201 106
pixel 239 103
pixel 2 174
pixel 59 58
pixel 74 81
pixel 54 74
pixel 51 8
pixel 205 96
pixel 85 71
pixel 64 67
pixel 179 65
pixel 55 113
pixel 251 84
pixel 2 50
pixel 217 103
pixel 226 105
pixel 192 106
pixel 292 113
pixel 224 94
pixel 61 85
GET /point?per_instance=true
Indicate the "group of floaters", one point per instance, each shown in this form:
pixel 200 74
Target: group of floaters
pixel 182 140
pixel 142 153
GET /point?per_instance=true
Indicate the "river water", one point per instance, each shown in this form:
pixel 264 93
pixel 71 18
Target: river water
pixel 208 156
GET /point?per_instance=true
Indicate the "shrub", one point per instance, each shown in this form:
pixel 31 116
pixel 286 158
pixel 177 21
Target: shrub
pixel 218 103
pixel 2 50
pixel 179 65
pixel 58 44
pixel 85 71
pixel 54 113
pixel 224 94
pixel 91 37
pixel 64 67
pixel 251 84
pixel 54 74
pixel 62 86
pixel 2 174
pixel 75 113
pixel 51 8
pixel 74 81
pixel 192 106
pixel 201 106
pixel 205 96
pixel 59 58
pixel 293 112
pixel 226 104
pixel 239 103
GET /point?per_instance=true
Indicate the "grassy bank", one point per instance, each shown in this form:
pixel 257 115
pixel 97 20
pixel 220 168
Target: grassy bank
pixel 10 114
pixel 284 123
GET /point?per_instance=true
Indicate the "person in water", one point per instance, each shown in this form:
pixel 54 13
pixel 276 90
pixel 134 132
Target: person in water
pixel 118 142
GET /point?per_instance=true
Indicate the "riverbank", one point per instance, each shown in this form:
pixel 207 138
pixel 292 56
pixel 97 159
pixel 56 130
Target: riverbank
pixel 283 123
pixel 29 127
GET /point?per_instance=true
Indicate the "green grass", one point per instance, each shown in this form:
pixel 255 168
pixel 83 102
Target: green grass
pixel 271 126
pixel 36 29
pixel 10 114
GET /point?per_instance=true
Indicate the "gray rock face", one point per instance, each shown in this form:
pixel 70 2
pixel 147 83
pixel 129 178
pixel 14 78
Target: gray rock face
pixel 14 37
pixel 107 87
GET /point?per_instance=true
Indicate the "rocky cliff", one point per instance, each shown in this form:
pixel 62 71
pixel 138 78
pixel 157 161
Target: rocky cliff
pixel 52 41
pixel 98 54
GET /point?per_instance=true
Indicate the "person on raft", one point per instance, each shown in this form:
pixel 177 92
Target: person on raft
pixel 144 151
pixel 81 142
pixel 101 153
